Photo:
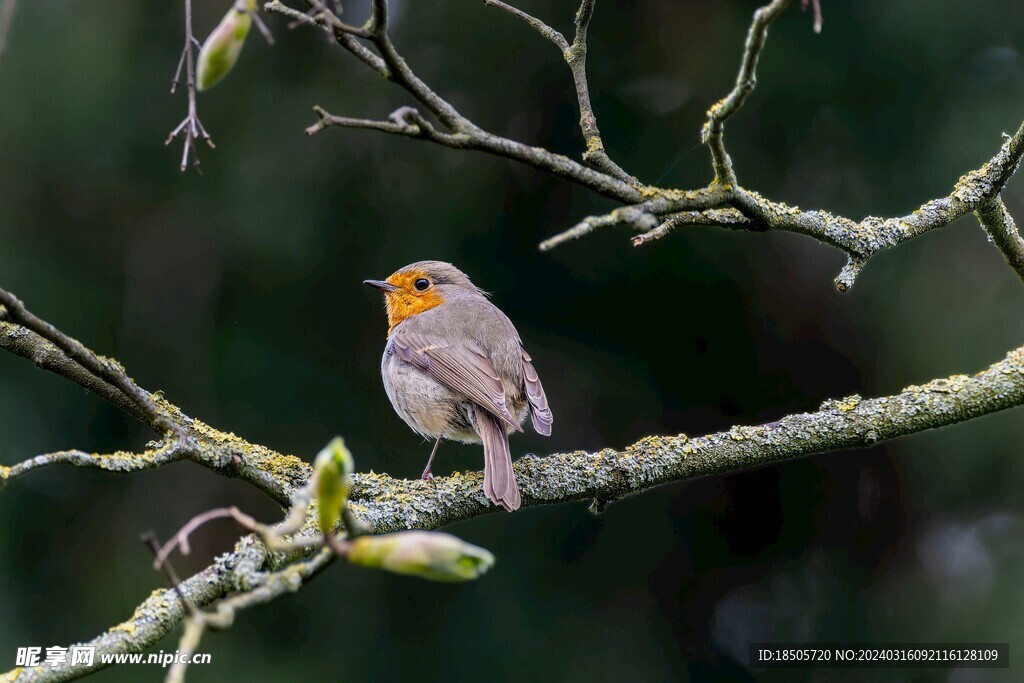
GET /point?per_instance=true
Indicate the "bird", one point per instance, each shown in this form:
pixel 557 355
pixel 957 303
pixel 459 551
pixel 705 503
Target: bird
pixel 455 368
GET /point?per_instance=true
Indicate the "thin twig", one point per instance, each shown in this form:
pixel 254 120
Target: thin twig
pixel 121 461
pixel 262 27
pixel 714 129
pixel 405 121
pixel 267 587
pixel 151 542
pixel 723 218
pixel 378 22
pixel 536 24
pixel 271 586
pixel 642 216
pixel 816 11
pixel 591 223
pixel 272 536
pixel 7 8
pixel 180 539
pixel 191 128
pixel 575 56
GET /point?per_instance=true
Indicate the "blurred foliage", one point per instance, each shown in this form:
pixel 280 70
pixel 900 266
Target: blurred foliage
pixel 238 293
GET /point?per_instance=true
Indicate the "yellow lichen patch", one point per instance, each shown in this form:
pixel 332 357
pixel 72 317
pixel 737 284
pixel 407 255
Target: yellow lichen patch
pixel 283 465
pixel 128 627
pixel 743 433
pixel 650 446
pixel 126 456
pixel 11 675
pixel 941 386
pixel 849 403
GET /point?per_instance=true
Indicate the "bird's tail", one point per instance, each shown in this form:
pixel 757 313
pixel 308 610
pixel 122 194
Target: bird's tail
pixel 499 478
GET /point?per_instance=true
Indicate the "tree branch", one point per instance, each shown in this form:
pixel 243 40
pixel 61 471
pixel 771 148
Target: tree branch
pixel 103 369
pixel 859 239
pixel 556 37
pixel 185 438
pixel 387 504
pixel 998 223
pixel 120 461
pixel 29 345
pixel 160 612
pixel 252 575
pixel 722 218
pixel 648 206
pixel 466 134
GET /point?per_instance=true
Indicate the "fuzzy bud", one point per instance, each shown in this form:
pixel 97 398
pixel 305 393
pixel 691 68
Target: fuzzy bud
pixel 219 53
pixel 429 555
pixel 331 472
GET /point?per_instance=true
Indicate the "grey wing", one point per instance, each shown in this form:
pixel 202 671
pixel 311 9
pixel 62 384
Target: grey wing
pixel 540 413
pixel 461 366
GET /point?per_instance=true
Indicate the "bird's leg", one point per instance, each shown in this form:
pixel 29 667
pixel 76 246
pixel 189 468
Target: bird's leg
pixel 427 474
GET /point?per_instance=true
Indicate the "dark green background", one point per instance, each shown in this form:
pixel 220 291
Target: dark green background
pixel 238 293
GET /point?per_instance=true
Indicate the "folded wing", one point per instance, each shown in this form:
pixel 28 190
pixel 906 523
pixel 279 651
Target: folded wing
pixel 540 413
pixel 461 366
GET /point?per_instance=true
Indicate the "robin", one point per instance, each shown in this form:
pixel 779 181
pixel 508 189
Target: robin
pixel 455 368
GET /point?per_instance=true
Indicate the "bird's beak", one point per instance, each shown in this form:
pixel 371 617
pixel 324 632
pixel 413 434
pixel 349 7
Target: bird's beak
pixel 381 285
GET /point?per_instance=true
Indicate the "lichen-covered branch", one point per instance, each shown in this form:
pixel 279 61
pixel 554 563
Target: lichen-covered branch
pixel 730 219
pixel 240 570
pixel 120 461
pixel 252 574
pixel 23 342
pixel 184 438
pixel 652 210
pixel 607 475
pixel 387 504
pixel 998 223
pixel 103 369
pixel 464 133
pixel 862 240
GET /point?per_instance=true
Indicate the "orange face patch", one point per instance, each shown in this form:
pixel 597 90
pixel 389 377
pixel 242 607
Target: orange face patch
pixel 407 300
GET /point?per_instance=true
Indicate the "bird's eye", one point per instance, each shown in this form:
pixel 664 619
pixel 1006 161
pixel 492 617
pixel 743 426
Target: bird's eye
pixel 421 284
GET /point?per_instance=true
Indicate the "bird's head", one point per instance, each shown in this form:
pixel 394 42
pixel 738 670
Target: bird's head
pixel 419 287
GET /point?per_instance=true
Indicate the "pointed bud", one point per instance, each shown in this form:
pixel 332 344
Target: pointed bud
pixel 427 554
pixel 331 471
pixel 220 51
